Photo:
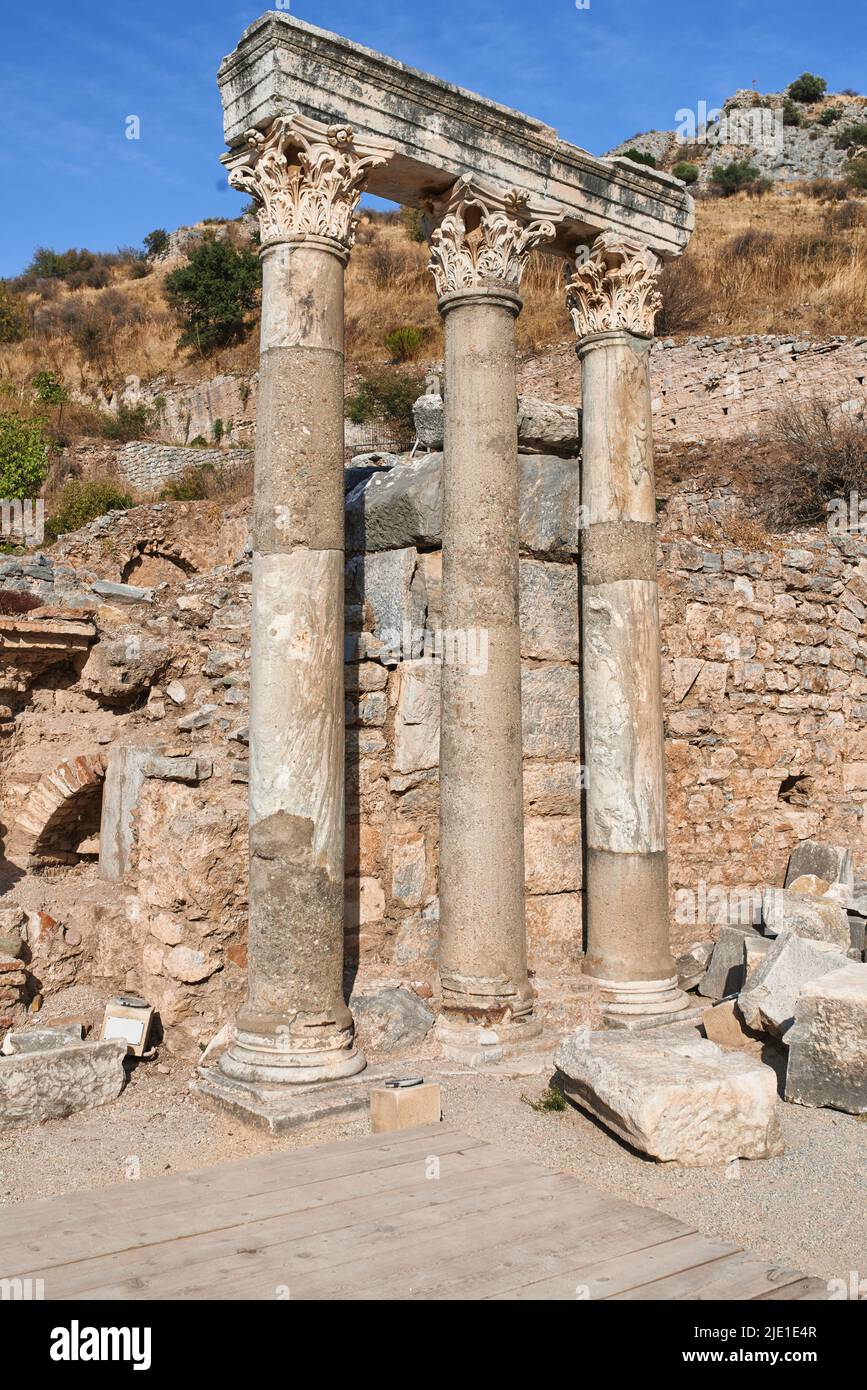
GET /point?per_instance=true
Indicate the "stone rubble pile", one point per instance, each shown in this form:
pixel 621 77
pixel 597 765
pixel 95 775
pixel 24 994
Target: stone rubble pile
pixel 791 990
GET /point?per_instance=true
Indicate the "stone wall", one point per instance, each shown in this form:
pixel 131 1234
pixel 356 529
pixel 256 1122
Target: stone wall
pixel 148 467
pixel 765 678
pixel 724 388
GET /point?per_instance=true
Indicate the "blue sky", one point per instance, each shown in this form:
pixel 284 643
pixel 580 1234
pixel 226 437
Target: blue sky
pixel 71 73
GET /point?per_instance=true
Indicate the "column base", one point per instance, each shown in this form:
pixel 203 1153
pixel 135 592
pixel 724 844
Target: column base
pixel 485 1044
pixel 258 1059
pixel 643 1003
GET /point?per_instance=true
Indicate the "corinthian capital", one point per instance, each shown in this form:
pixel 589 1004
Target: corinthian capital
pixel 306 178
pixel 615 289
pixel 485 237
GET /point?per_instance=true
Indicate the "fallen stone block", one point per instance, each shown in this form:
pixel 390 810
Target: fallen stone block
pixel 724 1025
pixel 47 1038
pixel 809 883
pixel 828 1043
pixel 47 1084
pixel 391 1019
pixel 769 997
pixel 692 965
pixel 727 971
pixel 817 919
pixel 678 1099
pixel 833 863
pixel 755 950
pixel 121 593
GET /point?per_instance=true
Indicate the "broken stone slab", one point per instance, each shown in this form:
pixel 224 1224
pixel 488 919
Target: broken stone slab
pixel 817 919
pixel 724 1025
pixel 47 1039
pixel 679 1099
pixel 769 997
pixel 46 1085
pixel 186 769
pixel 122 593
pixel 692 965
pixel 727 971
pixel 833 863
pixel 828 1043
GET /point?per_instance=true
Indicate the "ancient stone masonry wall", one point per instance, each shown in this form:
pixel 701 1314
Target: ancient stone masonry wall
pixel 765 679
pixel 147 467
pixel 725 388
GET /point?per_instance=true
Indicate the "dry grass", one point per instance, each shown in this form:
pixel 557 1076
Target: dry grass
pixel 782 263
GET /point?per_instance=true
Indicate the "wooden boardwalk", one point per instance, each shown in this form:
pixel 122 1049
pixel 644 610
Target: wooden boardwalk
pixel 426 1214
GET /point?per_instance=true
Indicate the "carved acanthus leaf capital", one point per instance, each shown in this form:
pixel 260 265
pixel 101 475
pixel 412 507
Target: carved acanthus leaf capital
pixel 615 288
pixel 485 237
pixel 306 178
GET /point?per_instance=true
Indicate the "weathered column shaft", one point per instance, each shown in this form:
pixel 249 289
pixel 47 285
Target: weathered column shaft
pixel 295 1025
pixel 487 998
pixel 613 302
pixel 295 948
pixel 483 962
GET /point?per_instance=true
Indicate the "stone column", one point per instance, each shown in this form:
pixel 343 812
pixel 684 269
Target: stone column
pixel 613 300
pixel 479 252
pixel 295 1025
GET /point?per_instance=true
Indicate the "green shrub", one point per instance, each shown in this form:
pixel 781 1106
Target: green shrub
pixel 218 431
pixel 130 422
pixel 23 456
pixel 13 316
pixel 48 264
pixel 856 174
pixel 404 344
pixel 791 114
pixel 192 486
pixel 49 388
pixel 852 135
pixel 830 115
pixel 156 243
pixel 414 222
pixel 213 294
pixel 385 395
pixel 807 88
pixel 640 157
pixel 685 171
pixel 79 502
pixel 732 178
pixel 200 442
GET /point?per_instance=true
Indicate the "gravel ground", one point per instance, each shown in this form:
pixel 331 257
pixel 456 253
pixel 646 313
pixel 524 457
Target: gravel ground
pixel 804 1210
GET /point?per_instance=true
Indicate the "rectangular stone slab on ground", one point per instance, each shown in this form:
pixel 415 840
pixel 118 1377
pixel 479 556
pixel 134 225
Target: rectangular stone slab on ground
pixel 410 1107
pixel 678 1098
pixel 46 1085
pixel 828 1043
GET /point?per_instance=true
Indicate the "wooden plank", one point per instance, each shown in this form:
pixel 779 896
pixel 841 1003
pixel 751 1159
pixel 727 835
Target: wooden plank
pixel 364 1269
pixel 283 1166
pixel 152 1270
pixel 739 1277
pixel 71 1230
pixel 602 1278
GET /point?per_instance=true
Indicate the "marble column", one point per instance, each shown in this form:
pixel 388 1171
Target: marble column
pixel 295 1026
pixel 479 251
pixel 613 300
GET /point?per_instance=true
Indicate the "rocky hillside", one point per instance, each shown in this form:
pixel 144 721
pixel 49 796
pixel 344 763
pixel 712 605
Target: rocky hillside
pixel 787 141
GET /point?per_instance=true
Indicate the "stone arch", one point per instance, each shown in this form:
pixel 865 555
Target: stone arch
pixel 61 810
